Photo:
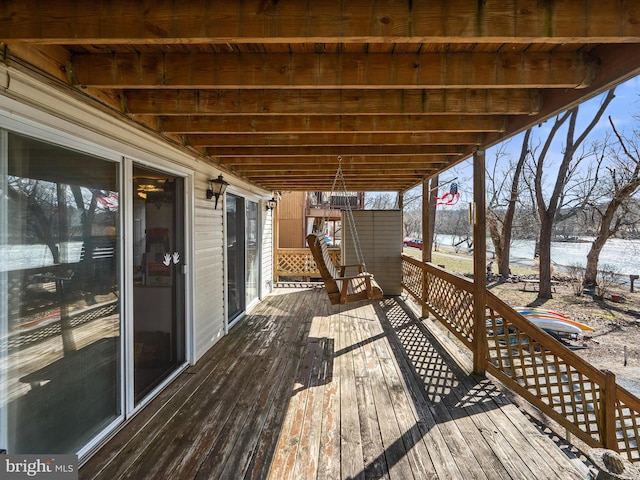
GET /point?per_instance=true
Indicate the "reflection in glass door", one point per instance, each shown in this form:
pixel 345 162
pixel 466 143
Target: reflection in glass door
pixel 158 289
pixel 253 259
pixel 60 297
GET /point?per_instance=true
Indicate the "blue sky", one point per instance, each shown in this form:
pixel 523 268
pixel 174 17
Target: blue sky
pixel 622 110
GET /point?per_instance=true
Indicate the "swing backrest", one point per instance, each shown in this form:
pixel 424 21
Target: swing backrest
pixel 341 288
pixel 326 266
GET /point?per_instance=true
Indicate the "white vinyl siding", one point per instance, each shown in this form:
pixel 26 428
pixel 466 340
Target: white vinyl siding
pixel 267 252
pixel 207 269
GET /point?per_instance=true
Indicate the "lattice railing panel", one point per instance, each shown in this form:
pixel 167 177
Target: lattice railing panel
pixel 299 262
pixel 454 305
pixel 522 353
pixel 582 398
pixel 412 279
pixel 628 424
pixel 448 297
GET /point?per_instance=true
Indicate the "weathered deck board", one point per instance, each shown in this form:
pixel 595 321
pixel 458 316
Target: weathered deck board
pixel 301 389
pixel 329 468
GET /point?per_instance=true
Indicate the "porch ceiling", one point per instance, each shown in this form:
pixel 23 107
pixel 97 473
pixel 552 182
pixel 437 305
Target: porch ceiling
pixel 275 90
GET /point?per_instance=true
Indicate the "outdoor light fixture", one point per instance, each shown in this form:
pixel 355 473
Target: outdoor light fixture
pixel 271 204
pixel 217 187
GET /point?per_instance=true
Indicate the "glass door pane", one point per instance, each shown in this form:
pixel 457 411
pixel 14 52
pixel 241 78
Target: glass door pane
pixel 60 323
pixel 235 256
pixel 158 289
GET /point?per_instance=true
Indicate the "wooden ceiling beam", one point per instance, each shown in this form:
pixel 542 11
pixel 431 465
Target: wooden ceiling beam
pixel 382 174
pixel 348 161
pixel 335 139
pixel 304 153
pixel 294 177
pixel 325 102
pixel 353 169
pixel 306 187
pixel 332 124
pixel 302 176
pixel 348 70
pixel 325 184
pixel 349 21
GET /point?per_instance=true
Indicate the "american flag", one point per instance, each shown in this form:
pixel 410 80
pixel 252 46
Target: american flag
pixel 109 200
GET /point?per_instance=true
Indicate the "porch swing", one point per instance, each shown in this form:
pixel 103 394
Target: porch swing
pixel 340 287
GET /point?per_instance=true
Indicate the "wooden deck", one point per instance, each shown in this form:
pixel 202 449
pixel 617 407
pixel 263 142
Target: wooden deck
pixel 301 389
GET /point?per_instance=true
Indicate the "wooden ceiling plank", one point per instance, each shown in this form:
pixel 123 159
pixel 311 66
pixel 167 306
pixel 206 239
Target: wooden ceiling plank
pixel 349 21
pixel 323 102
pixel 368 182
pixel 313 71
pixel 325 182
pixel 304 187
pixel 378 184
pixel 320 176
pixel 354 171
pixel 332 123
pixel 332 162
pixel 337 139
pixel 304 153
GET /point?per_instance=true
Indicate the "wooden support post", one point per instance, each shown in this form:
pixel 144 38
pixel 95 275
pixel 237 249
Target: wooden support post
pixel 426 252
pixel 608 411
pixel 434 191
pixel 479 264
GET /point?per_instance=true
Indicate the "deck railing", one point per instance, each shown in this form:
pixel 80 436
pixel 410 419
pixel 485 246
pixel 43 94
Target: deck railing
pixel 299 262
pixel 581 398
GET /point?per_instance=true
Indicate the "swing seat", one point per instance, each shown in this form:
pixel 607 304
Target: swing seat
pixel 340 288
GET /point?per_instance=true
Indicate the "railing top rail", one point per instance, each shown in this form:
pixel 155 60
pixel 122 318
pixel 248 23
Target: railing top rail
pixel 305 250
pixel 627 397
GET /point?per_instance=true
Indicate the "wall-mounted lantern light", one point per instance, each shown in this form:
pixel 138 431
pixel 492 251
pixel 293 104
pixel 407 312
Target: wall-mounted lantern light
pixel 271 204
pixel 217 187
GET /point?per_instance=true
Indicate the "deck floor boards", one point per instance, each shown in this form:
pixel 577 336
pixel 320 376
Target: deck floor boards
pixel 302 389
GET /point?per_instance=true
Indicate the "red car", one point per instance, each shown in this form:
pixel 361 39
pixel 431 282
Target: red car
pixel 413 242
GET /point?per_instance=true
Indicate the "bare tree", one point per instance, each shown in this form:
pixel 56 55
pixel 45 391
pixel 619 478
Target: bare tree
pixel 550 206
pixel 40 201
pixel 501 210
pixel 379 201
pixel 412 213
pixel 623 182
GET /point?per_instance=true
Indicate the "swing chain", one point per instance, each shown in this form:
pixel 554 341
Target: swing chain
pixel 339 181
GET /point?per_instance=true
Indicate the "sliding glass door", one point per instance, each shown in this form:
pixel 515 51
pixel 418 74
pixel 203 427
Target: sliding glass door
pixel 158 278
pixel 63 380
